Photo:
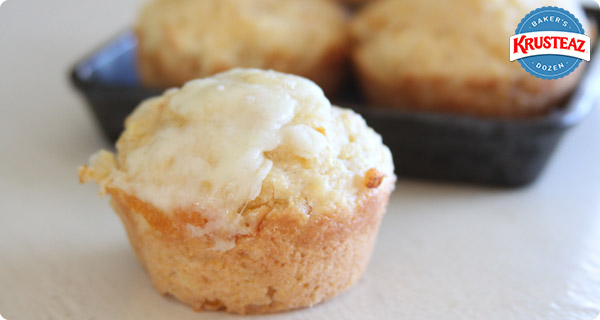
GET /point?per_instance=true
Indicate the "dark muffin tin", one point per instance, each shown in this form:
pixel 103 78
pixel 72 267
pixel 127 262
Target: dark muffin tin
pixel 425 145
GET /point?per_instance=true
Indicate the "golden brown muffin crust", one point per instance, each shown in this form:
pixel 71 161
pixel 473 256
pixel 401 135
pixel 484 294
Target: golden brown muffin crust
pixel 287 263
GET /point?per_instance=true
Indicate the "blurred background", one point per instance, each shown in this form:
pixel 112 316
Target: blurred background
pixel 445 251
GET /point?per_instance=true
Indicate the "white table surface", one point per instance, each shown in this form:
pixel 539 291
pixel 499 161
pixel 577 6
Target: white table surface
pixel 444 251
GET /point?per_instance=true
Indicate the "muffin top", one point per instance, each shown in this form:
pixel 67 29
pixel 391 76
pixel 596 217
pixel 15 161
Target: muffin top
pixel 229 146
pixel 458 39
pixel 282 35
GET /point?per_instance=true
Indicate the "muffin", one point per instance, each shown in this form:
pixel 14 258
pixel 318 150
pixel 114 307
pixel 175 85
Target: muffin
pixel 248 192
pixel 452 57
pixel 180 40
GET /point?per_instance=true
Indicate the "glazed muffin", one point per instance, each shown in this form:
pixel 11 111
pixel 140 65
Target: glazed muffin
pixel 180 40
pixel 452 57
pixel 248 192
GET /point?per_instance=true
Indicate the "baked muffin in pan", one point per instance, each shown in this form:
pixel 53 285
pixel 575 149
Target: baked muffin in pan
pixel 180 40
pixel 452 57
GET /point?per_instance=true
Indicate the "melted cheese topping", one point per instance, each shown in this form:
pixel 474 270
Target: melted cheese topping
pixel 213 158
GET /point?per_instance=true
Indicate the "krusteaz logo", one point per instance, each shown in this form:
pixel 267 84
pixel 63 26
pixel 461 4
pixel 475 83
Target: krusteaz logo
pixel 550 43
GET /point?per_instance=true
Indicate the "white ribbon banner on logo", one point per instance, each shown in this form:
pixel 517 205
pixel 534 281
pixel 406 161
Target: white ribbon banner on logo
pixel 524 45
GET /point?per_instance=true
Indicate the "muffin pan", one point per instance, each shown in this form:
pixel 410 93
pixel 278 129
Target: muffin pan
pixel 448 147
